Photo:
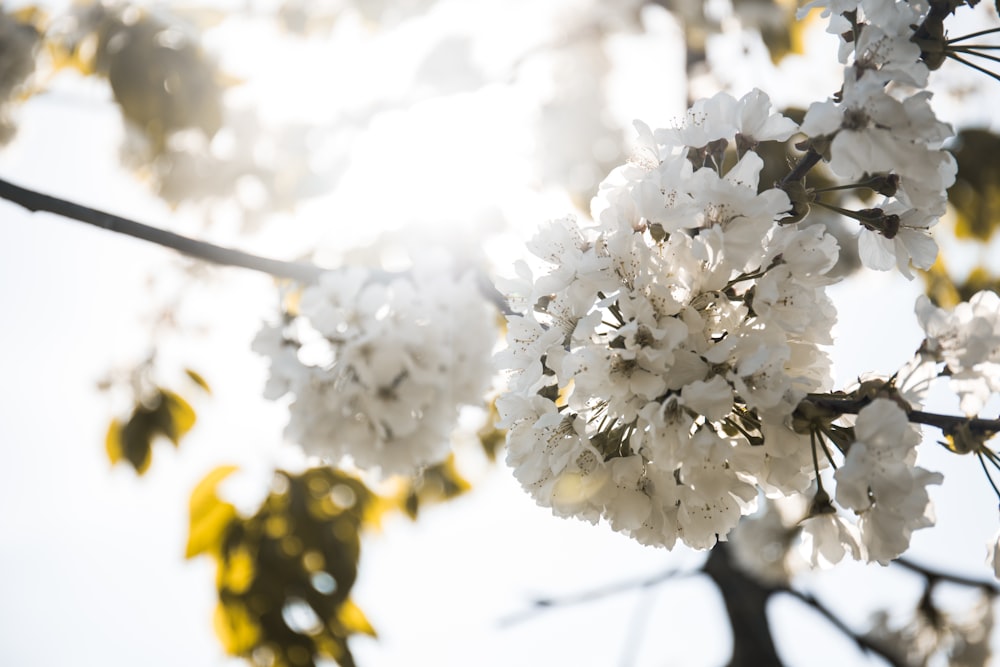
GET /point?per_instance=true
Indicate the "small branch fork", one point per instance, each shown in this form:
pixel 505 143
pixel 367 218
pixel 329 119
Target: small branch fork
pixel 35 201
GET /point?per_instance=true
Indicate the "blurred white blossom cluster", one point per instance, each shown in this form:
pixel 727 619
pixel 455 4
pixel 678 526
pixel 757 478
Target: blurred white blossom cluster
pixel 656 359
pixel 881 122
pixel 379 364
pixel 967 340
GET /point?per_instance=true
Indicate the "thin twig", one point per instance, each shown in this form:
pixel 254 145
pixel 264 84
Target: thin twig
pixel 35 201
pixel 541 605
pixel 864 644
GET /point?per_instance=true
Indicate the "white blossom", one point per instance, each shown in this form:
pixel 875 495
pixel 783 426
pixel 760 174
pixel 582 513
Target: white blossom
pixel 656 348
pixel 967 340
pixel 377 366
pixel 881 483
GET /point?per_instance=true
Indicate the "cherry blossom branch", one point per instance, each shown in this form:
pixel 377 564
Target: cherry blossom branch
pixel 852 405
pixel 35 201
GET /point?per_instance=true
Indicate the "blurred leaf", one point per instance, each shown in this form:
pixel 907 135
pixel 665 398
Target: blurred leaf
pixel 161 78
pixel 353 621
pixel 285 574
pixel 235 629
pixel 775 19
pixel 435 484
pixel 938 285
pixel 976 192
pixel 113 442
pixel 979 279
pixel 175 416
pixel 167 414
pixel 197 378
pixel 209 516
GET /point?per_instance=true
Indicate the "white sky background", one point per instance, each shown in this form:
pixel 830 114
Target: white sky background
pixel 91 558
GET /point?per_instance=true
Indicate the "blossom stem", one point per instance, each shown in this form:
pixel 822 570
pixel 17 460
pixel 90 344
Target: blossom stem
pixel 35 201
pixel 973 66
pixel 989 478
pixel 819 479
pixel 989 31
pixel 969 51
pixel 826 450
pixel 801 168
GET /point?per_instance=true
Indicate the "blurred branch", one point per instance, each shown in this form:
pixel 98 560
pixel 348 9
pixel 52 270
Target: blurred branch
pixel 934 576
pixel 540 605
pixel 746 606
pixel 864 644
pixel 35 201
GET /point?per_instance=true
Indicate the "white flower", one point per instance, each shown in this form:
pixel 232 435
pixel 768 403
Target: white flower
pixel 880 482
pixel 826 538
pixel 642 377
pixel 967 340
pixel 993 556
pixel 377 367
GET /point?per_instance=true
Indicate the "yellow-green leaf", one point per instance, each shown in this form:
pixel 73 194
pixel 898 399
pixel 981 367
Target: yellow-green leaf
pixel 209 516
pixel 235 628
pixel 197 378
pixel 113 442
pixel 175 416
pixel 353 621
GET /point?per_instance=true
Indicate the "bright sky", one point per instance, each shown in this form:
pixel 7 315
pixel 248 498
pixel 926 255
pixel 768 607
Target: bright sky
pixel 91 559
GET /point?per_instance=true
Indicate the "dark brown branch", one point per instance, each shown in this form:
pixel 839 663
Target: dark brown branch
pixel 864 644
pixel 746 605
pixel 35 201
pixel 852 405
pixel 933 576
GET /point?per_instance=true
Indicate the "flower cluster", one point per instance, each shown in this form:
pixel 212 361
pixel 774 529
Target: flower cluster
pixel 967 340
pixel 379 365
pixel 657 357
pixel 877 128
pixel 880 482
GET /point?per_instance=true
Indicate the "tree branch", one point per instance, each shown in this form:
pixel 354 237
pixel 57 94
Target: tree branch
pixel 933 576
pixel 863 643
pixel 35 201
pixel 540 605
pixel 746 605
pixel 853 404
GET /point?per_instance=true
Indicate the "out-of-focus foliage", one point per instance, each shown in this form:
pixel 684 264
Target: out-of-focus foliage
pixel 164 413
pixel 437 483
pixel 162 79
pixel 975 195
pixel 284 575
pixel 946 292
pixel 19 42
